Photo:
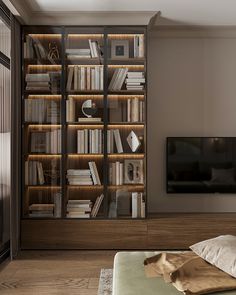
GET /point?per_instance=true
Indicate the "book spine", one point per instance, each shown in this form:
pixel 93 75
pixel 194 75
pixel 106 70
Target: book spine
pixel 88 84
pixel 134 205
pixel 93 173
pixel 128 110
pixel 75 77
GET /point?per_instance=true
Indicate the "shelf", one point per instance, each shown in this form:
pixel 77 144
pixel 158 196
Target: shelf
pixel 41 62
pixel 43 155
pixel 40 92
pixel 42 124
pixel 85 123
pixel 85 187
pixel 84 61
pixel 38 187
pixel 126 186
pixel 127 61
pixel 79 92
pixel 126 123
pixel 129 156
pixel 113 92
pixel 85 155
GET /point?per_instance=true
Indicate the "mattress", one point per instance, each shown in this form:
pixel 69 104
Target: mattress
pixel 129 277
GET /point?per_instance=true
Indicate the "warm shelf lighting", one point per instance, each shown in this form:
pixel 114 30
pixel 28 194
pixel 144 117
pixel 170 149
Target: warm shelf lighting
pixel 46 187
pixel 33 126
pixel 43 68
pixel 126 66
pixel 125 97
pixel 85 36
pixel 45 35
pixel 128 156
pixel 85 156
pixel 92 66
pixel 131 187
pixel 85 187
pixel 44 156
pixel 86 126
pixel 86 96
pixel 123 36
pixel 126 126
pixel 42 96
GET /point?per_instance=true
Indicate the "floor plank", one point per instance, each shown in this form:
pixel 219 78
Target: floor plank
pixel 54 272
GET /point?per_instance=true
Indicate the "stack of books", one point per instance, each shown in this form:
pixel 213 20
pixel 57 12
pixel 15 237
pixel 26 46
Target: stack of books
pixel 42 110
pixel 79 177
pixel 84 176
pixel 41 210
pixel 89 141
pixel 135 81
pixel 135 110
pixel 79 208
pixel 138 205
pixel 38 82
pixel 116 173
pixel 118 79
pixel 139 46
pixel 85 78
pixel 34 174
pixel 78 53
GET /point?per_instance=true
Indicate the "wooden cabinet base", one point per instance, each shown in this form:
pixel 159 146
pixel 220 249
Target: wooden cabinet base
pixel 163 231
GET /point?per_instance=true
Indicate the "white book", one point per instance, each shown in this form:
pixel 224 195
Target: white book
pixel 117 80
pixel 118 142
pixel 97 205
pixel 88 80
pixel 135 110
pixel 40 173
pixel 79 79
pixel 78 172
pixel 92 79
pixel 122 78
pixel 86 141
pixel 141 46
pixel 91 48
pixel 100 141
pixel 95 170
pixel 37 77
pixel 135 80
pixel 128 110
pixel 121 175
pixel 101 79
pixel 95 49
pixel 95 182
pixel 113 79
pixel 134 204
pixel 82 78
pixel 117 173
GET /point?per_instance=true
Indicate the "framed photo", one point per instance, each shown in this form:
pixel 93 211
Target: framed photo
pixel 133 171
pixel 119 49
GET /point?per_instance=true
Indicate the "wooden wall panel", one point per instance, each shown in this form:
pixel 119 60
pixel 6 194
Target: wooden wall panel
pixel 91 234
pixel 179 231
pixel 164 231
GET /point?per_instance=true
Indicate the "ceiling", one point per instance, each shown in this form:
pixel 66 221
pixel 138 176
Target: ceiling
pixel 184 12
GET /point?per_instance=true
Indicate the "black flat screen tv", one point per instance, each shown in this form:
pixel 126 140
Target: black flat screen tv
pixel 201 165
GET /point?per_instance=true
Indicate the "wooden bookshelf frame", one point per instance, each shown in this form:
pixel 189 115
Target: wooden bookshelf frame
pixel 63 32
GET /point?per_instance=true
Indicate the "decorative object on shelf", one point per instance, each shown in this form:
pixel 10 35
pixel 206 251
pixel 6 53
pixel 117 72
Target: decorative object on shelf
pixel 53 52
pixel 133 141
pixel 133 171
pixel 119 49
pixel 89 109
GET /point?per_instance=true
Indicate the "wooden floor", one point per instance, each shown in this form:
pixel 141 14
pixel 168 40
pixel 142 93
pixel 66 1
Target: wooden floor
pixel 54 272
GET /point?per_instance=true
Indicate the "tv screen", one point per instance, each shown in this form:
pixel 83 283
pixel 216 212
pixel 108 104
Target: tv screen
pixel 201 165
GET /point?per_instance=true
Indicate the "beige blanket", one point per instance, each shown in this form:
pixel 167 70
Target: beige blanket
pixel 189 273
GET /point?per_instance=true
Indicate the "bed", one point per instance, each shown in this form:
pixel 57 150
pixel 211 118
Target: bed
pixel 129 277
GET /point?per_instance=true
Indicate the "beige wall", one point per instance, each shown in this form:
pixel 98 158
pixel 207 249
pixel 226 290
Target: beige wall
pixel 192 92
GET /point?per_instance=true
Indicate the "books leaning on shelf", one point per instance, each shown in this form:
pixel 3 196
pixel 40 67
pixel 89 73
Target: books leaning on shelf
pixel 41 210
pixel 85 78
pixel 78 53
pixel 118 79
pixel 139 46
pixel 89 141
pixel 84 176
pixel 48 142
pixel 34 174
pixel 97 205
pixel 138 205
pixel 42 110
pixel 48 82
pixel 116 173
pixel 135 110
pixel 79 208
pixel 113 135
pixel 135 81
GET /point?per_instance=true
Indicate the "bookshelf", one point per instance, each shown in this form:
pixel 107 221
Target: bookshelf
pixel 84 122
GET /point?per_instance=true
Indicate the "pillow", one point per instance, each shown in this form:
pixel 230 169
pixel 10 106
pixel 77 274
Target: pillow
pixel 220 252
pixel 222 175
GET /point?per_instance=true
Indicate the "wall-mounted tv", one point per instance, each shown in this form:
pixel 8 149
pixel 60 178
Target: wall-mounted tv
pixel 201 165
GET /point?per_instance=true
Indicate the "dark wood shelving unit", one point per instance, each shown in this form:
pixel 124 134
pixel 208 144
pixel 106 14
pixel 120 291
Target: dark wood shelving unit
pixel 60 134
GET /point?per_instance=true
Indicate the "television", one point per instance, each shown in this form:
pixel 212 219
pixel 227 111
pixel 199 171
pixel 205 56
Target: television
pixel 200 165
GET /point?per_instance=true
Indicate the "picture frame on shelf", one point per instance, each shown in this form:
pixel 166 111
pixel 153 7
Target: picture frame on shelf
pixel 119 49
pixel 133 171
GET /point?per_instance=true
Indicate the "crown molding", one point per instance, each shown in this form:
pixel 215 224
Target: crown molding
pixel 91 18
pixel 19 9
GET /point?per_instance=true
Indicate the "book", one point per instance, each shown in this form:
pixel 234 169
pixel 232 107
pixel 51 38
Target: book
pixel 69 79
pixel 118 142
pixel 94 173
pixel 97 205
pixel 37 77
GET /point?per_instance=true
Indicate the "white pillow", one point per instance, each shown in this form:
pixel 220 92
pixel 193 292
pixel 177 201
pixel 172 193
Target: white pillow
pixel 220 251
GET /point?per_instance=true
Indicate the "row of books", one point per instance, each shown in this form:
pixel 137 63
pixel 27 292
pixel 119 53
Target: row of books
pixel 135 110
pixel 84 176
pixel 48 142
pixel 89 141
pixel 33 48
pixel 34 174
pixel 139 46
pixel 138 205
pixel 48 82
pixel 42 110
pixel 118 79
pixel 85 78
pixel 135 81
pixel 94 51
pixel 116 173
